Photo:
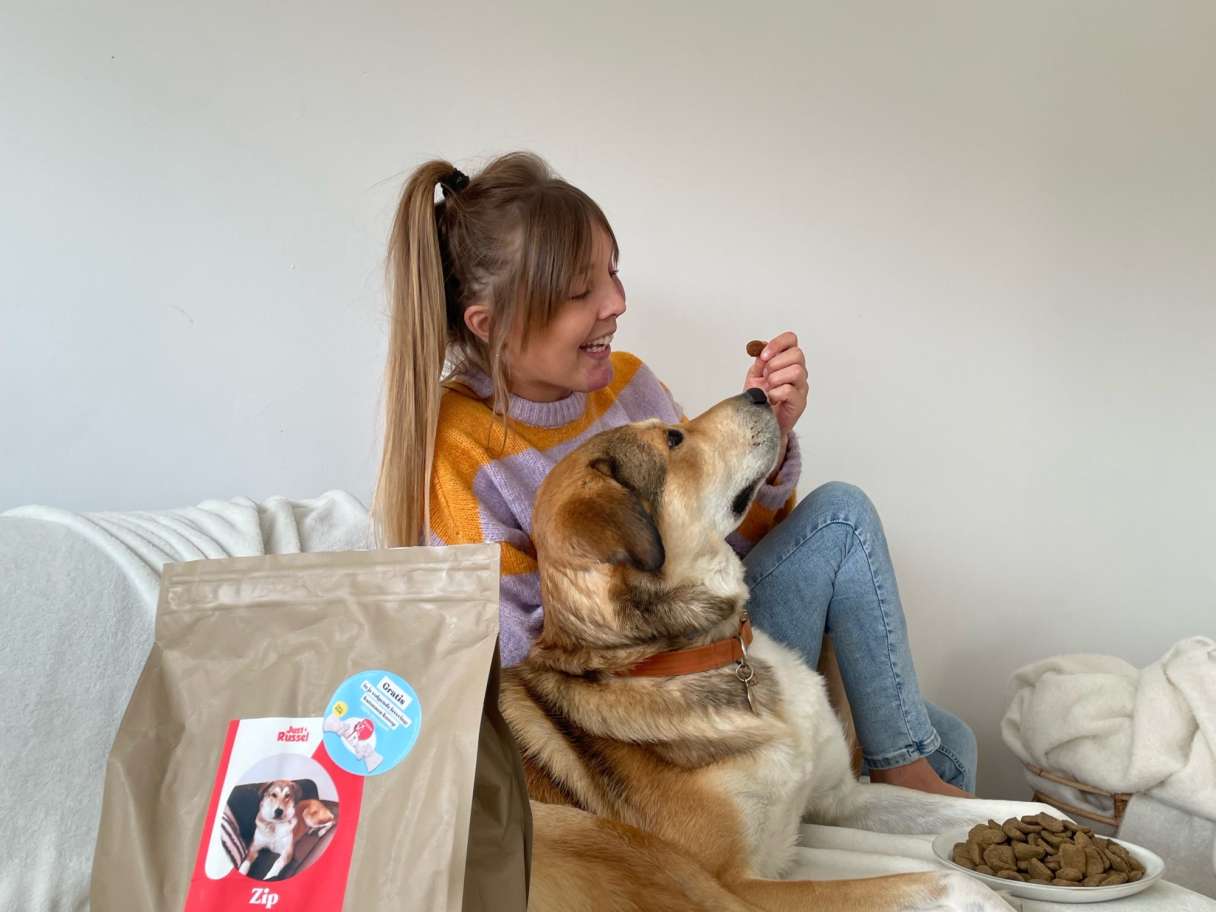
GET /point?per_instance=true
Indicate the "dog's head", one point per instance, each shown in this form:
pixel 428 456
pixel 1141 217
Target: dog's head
pixel 630 528
pixel 278 800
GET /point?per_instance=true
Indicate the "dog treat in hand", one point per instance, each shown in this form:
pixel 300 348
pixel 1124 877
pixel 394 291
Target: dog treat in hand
pixel 1046 850
pixel 754 348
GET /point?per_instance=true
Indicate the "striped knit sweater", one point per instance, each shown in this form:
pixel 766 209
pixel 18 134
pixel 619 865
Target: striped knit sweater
pixel 483 491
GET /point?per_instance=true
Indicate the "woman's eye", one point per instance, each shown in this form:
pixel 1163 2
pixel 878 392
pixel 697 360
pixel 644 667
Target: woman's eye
pixel 674 439
pixel 580 296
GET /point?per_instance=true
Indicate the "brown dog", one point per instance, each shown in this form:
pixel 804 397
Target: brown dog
pixel 283 817
pixel 669 764
pixel 274 825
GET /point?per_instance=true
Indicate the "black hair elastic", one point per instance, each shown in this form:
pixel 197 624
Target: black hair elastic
pixel 454 182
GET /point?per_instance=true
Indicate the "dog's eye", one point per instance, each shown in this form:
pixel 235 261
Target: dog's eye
pixel 674 439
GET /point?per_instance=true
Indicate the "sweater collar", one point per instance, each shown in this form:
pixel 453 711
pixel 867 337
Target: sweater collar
pixel 537 414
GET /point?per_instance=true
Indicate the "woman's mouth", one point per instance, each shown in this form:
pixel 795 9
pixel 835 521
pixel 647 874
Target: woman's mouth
pixel 598 347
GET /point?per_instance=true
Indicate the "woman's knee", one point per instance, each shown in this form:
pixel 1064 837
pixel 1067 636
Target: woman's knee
pixel 840 500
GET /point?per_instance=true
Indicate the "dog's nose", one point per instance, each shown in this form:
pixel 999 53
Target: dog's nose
pixel 278 812
pixel 756 396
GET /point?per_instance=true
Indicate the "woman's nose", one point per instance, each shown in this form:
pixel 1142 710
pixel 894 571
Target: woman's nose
pixel 615 305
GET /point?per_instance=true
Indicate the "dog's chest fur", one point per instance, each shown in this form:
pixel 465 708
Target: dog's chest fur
pixel 274 834
pixel 772 785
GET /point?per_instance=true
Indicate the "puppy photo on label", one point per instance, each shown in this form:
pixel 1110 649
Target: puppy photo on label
pixel 275 827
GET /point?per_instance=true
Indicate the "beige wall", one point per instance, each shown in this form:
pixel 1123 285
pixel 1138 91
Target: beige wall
pixel 993 226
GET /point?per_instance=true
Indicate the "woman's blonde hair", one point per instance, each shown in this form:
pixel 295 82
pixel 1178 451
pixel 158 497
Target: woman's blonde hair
pixel 514 237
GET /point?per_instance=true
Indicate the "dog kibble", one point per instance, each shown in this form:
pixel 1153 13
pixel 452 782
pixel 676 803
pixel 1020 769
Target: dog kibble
pixel 1046 850
pixel 1000 858
pixel 754 348
pixel 1094 863
pixel 1038 871
pixel 1024 850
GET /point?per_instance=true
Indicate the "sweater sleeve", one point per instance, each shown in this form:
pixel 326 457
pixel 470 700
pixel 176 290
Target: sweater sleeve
pixel 774 500
pixel 466 510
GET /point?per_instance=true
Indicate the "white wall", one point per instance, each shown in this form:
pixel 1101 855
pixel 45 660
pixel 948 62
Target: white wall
pixel 993 226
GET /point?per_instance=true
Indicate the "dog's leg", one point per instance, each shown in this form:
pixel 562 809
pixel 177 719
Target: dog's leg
pixel 893 809
pixel 279 864
pixel 932 891
pixel 249 857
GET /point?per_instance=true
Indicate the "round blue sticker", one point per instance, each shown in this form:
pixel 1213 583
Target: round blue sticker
pixel 371 722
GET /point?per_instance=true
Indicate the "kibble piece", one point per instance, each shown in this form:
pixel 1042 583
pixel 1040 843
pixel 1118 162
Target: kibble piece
pixel 1072 857
pixel 1063 883
pixel 1013 831
pixel 1026 850
pixel 963 857
pixel 754 348
pixel 1118 864
pixel 999 857
pixel 986 836
pixel 1133 876
pixel 1094 862
pixel 1115 877
pixel 1053 862
pixel 1069 874
pixel 1037 870
pixel 1022 865
pixel 984 869
pixel 1052 824
pixel 1115 849
pixel 1010 875
pixel 1093 880
pixel 1052 839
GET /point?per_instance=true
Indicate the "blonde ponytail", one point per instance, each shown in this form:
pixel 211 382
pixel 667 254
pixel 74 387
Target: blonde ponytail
pixel 417 346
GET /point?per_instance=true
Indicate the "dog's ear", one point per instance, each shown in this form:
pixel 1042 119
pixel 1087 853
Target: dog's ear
pixel 613 524
pixel 265 788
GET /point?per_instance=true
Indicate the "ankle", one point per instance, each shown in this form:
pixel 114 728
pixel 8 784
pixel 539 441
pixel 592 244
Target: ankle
pixel 919 775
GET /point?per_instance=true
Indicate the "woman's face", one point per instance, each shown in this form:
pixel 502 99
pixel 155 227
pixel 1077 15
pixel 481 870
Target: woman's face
pixel 572 352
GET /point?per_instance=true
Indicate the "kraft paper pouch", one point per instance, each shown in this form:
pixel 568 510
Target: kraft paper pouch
pixel 318 732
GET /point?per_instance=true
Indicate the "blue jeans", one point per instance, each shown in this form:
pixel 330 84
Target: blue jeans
pixel 826 568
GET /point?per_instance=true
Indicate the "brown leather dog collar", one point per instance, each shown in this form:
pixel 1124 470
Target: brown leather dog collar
pixel 697 658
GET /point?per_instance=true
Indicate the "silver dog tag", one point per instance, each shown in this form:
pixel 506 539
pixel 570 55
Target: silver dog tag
pixel 745 673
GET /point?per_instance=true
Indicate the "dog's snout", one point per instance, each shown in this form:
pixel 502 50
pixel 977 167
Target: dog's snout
pixel 756 396
pixel 278 812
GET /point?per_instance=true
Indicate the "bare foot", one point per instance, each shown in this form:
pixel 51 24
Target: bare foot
pixel 917 775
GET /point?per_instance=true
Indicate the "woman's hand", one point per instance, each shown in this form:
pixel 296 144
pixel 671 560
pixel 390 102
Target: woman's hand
pixel 780 370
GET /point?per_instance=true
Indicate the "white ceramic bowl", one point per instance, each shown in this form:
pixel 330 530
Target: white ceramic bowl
pixel 1154 867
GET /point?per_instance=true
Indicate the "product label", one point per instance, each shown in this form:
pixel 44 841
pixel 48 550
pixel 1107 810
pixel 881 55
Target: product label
pixel 280 827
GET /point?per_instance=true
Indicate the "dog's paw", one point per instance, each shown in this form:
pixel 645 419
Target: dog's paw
pixel 957 892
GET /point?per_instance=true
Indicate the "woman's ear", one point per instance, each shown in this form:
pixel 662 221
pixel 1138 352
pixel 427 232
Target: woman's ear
pixel 477 319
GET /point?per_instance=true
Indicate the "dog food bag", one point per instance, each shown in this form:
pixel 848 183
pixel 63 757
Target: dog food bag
pixel 318 732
